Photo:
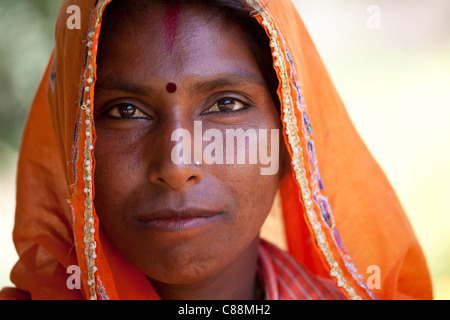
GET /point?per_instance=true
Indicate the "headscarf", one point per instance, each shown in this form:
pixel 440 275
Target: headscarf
pixel 342 219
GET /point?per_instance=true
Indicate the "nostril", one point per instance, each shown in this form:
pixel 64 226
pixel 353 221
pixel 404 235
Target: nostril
pixel 175 181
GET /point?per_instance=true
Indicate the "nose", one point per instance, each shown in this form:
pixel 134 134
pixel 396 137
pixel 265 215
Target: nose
pixel 175 176
pixel 165 171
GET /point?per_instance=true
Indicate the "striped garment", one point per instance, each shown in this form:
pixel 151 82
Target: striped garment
pixel 282 278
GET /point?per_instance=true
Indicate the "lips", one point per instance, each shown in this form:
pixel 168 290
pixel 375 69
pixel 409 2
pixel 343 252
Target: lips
pixel 177 220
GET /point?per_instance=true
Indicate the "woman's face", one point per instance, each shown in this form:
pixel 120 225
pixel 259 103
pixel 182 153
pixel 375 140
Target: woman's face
pixel 179 223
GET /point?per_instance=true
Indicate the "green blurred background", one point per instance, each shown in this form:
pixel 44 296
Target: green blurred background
pixel 393 73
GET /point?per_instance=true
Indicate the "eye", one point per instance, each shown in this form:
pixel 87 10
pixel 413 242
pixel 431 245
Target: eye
pixel 227 105
pixel 126 111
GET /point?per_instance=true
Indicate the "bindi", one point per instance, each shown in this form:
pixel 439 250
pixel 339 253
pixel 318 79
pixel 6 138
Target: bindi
pixel 171 87
pixel 171 25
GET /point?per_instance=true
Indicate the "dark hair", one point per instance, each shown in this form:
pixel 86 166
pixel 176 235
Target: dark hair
pixel 233 11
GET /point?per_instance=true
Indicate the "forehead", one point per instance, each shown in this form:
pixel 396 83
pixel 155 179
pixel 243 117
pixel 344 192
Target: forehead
pixel 171 40
pixel 128 22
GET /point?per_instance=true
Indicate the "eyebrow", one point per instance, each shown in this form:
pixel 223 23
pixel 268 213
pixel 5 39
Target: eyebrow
pixel 219 82
pixel 112 83
pixel 227 80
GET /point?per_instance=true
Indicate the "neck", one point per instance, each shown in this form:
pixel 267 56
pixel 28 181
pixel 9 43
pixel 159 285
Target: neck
pixel 236 281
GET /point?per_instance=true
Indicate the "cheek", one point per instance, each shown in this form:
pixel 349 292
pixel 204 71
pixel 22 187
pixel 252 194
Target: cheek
pixel 251 188
pixel 118 170
pixel 252 195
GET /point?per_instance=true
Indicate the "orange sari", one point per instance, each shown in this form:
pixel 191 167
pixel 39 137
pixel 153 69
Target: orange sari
pixel 342 219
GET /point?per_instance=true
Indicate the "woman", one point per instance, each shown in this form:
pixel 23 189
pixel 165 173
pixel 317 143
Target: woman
pixel 146 220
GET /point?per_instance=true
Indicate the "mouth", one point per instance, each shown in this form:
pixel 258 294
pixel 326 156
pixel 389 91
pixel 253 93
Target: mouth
pixel 180 220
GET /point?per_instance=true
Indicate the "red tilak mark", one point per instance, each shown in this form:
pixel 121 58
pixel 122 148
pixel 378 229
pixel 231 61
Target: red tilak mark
pixel 171 25
pixel 171 87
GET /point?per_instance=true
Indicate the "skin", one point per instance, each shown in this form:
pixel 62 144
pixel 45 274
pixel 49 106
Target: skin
pixel 135 175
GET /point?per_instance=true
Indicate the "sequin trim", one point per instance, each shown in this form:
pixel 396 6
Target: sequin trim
pixel 318 189
pixel 87 99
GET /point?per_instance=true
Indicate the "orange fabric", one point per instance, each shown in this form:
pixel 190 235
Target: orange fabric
pixel 372 225
pixel 49 235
